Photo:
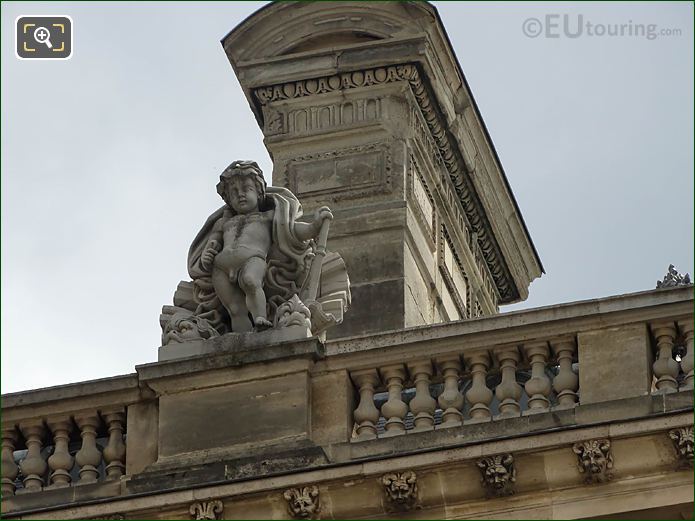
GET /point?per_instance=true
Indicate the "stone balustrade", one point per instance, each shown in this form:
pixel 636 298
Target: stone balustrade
pixel 64 450
pixel 673 355
pixel 56 439
pixel 249 410
pixel 453 389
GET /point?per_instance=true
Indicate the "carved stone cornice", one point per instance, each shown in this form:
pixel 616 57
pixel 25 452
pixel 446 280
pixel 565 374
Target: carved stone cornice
pixel 446 146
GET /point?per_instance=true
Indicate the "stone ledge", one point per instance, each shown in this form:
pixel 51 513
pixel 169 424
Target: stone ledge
pixel 68 391
pixel 232 350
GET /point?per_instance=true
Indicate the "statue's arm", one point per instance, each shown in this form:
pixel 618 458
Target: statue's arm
pixel 306 231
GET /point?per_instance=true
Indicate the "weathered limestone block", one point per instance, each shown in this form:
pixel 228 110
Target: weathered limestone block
pixel 602 351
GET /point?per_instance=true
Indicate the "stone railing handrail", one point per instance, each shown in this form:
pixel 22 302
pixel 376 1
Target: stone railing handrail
pixel 83 424
pixel 516 364
pixel 357 392
pixel 505 328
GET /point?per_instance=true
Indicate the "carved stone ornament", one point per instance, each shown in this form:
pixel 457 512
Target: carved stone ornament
pixel 683 442
pixel 673 278
pixel 293 313
pixel 401 490
pixel 184 327
pixel 595 459
pixel 254 257
pixel 303 502
pixel 498 474
pixel 446 147
pixel 206 509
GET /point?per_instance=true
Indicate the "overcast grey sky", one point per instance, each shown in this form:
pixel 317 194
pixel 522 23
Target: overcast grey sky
pixel 110 159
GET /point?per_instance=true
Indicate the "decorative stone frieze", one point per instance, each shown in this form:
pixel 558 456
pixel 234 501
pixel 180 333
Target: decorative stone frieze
pixel 498 474
pixel 401 490
pixel 446 147
pixel 682 438
pixel 303 502
pixel 595 460
pixel 206 509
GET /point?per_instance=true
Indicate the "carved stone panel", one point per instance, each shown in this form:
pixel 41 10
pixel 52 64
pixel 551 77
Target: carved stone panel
pixel 352 172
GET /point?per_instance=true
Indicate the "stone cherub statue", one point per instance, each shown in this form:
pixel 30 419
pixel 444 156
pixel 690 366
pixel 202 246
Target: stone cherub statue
pixel 253 256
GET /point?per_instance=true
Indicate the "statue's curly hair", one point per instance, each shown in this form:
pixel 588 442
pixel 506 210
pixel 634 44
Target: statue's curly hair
pixel 245 169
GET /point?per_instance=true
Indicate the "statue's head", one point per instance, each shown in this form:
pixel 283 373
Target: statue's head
pixel 242 186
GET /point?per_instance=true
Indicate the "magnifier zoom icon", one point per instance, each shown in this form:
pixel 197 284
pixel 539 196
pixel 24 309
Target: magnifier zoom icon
pixel 43 35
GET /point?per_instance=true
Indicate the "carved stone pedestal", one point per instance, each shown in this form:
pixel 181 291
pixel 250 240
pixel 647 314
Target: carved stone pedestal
pixel 236 395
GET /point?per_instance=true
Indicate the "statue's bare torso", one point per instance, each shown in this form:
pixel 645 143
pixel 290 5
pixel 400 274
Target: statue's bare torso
pixel 244 237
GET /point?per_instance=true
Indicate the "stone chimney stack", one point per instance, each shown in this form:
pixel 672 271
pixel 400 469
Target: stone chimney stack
pixel 364 108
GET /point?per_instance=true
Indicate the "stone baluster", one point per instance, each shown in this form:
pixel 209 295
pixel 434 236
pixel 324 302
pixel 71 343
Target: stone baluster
pixel 451 399
pixel 395 409
pixel 33 465
pixel 686 327
pixel 60 461
pixel 114 452
pixel 665 367
pixel 479 396
pixel 89 456
pixel 9 467
pixel 566 382
pixel 366 415
pixel 538 386
pixel 508 391
pixel 422 405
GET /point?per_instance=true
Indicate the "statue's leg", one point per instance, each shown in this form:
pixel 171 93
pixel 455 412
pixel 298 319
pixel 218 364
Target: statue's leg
pixel 250 279
pixel 233 300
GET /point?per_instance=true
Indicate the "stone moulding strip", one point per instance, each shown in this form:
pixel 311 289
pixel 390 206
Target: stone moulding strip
pixel 359 467
pixel 446 145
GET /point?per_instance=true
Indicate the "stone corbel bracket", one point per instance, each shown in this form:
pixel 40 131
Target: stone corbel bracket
pixel 682 438
pixel 498 475
pixel 401 491
pixel 303 502
pixel 206 509
pixel 594 459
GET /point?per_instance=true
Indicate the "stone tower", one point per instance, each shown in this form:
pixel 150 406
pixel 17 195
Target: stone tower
pixel 365 108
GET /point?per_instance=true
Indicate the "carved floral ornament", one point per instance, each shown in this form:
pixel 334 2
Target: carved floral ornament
pixel 303 502
pixel 206 509
pixel 682 438
pixel 595 459
pixel 498 474
pixel 445 144
pixel 401 490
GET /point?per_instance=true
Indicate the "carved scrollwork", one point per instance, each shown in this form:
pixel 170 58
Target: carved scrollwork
pixel 303 502
pixel 206 509
pixel 401 490
pixel 498 474
pixel 595 459
pixel 682 438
